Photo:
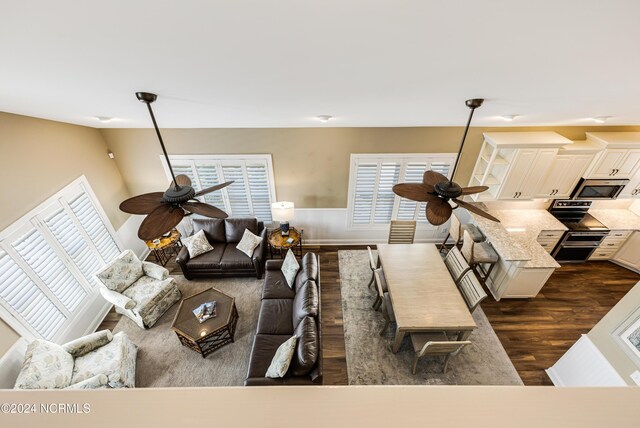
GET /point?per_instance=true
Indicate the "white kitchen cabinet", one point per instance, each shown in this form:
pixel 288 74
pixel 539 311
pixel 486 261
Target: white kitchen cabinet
pixel 631 190
pixel 508 280
pixel 629 253
pixel 511 164
pixel 548 239
pixel 563 176
pixel 620 157
pixel 610 245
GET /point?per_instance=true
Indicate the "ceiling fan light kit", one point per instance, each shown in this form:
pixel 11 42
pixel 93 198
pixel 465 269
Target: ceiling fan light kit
pixel 166 209
pixel 437 190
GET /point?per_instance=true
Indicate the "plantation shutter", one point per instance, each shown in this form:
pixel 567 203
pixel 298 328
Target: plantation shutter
pixel 74 244
pixel 258 178
pixel 372 201
pixel 26 301
pixel 239 204
pixel 365 189
pixel 385 198
pixel 208 177
pixel 93 225
pixel 42 259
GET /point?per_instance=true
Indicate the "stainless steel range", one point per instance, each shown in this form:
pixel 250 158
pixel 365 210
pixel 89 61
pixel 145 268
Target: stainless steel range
pixel 585 232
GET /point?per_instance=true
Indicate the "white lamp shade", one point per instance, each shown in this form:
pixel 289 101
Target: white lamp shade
pixel 282 211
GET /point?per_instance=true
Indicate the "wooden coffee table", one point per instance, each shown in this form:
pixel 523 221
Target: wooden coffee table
pixel 212 334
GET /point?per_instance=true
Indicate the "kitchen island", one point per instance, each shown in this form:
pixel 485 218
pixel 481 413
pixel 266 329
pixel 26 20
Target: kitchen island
pixel 524 265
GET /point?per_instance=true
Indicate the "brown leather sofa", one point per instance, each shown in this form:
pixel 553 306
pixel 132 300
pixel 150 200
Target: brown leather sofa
pixel 284 312
pixel 225 259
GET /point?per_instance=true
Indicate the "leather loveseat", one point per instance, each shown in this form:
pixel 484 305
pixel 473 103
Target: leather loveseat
pixel 225 259
pixel 284 312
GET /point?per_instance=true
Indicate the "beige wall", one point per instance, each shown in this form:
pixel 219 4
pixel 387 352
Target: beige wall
pixel 38 158
pixel 311 165
pixel 601 334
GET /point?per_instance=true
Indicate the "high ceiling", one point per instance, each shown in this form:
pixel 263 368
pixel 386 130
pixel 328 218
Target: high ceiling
pixel 280 63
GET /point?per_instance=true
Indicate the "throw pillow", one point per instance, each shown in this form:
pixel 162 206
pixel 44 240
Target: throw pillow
pixel 197 244
pixel 46 366
pixel 248 243
pixel 290 268
pixel 121 272
pixel 281 361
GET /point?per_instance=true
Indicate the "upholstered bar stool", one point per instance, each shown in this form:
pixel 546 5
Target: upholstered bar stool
pixel 478 255
pixel 456 230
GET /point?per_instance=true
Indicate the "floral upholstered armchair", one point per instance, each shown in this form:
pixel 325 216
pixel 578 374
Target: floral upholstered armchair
pixel 99 360
pixel 139 290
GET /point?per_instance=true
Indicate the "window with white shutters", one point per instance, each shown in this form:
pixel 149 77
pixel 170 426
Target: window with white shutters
pixel 250 195
pixel 47 262
pixel 371 198
pixel 26 301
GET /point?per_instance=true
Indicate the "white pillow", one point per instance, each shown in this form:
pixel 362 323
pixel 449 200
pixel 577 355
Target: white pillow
pixel 281 361
pixel 197 244
pixel 290 268
pixel 46 366
pixel 248 243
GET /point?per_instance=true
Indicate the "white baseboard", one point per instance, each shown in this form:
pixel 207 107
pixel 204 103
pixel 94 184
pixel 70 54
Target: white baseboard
pixel 625 265
pixel 11 363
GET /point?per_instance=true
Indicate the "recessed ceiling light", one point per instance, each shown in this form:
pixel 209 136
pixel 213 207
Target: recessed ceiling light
pixel 324 118
pixel 509 117
pixel 601 119
pixel 104 119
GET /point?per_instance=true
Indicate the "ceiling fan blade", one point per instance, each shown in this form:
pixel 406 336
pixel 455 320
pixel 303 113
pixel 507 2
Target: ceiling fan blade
pixel 474 189
pixel 415 191
pixel 160 221
pixel 438 212
pixel 475 210
pixel 213 188
pixel 182 181
pixel 204 209
pixel 433 178
pixel 142 204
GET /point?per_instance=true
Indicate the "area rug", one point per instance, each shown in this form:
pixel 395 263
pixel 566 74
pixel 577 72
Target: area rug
pixel 164 362
pixel 370 362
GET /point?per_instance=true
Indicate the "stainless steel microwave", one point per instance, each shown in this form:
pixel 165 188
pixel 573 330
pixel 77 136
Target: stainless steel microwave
pixel 598 189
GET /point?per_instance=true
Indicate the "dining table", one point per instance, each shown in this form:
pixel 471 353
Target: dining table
pixel 423 294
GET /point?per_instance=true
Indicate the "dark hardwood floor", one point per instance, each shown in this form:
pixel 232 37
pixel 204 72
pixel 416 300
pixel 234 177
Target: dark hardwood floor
pixel 537 332
pixel 534 332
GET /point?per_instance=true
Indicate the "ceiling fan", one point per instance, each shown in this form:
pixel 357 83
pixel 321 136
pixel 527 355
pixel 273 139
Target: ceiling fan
pixel 437 190
pixel 166 209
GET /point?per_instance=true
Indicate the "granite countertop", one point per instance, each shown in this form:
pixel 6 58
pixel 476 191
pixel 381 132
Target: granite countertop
pixel 617 219
pixel 515 237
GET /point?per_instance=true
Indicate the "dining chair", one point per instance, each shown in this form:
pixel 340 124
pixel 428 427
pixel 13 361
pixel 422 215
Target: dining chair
pixel 402 232
pixel 456 230
pixel 456 264
pixel 435 344
pixel 383 285
pixel 478 254
pixel 385 302
pixel 471 290
pixel 373 265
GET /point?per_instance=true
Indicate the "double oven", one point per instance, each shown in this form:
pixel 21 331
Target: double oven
pixel 585 232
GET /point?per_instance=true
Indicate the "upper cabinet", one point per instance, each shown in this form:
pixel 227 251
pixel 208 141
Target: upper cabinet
pixel 619 158
pixel 563 176
pixel 512 164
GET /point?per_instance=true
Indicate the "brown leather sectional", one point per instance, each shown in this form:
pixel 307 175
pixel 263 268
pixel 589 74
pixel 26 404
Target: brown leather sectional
pixel 284 312
pixel 225 259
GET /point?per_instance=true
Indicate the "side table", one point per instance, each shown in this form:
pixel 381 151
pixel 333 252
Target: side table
pixel 278 244
pixel 164 246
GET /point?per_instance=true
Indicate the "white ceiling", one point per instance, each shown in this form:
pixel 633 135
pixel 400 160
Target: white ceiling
pixel 279 63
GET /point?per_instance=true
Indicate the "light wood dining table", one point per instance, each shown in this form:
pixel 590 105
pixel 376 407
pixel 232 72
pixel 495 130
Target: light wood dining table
pixel 423 294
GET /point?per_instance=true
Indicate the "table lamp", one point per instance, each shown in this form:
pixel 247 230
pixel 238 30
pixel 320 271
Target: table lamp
pixel 283 212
